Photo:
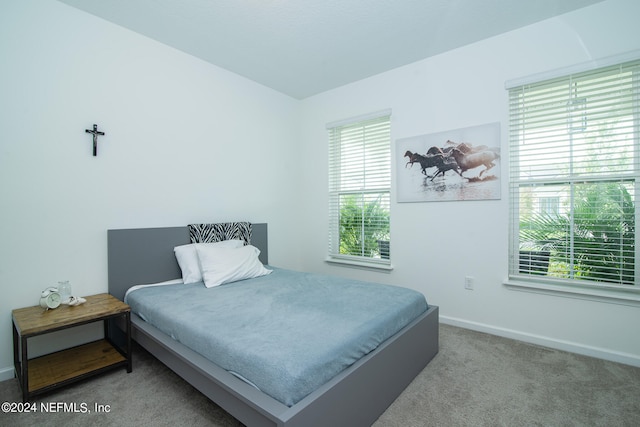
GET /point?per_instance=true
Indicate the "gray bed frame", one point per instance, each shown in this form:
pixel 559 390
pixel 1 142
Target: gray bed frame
pixel 355 397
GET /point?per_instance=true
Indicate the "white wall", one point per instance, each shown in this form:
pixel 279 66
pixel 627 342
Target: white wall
pixel 185 142
pixel 435 245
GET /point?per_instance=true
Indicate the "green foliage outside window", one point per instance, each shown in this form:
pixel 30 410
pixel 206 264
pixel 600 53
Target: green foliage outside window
pixel 363 222
pixel 601 245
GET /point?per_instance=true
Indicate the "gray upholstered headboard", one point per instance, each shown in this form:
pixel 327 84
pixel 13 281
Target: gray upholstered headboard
pixel 145 255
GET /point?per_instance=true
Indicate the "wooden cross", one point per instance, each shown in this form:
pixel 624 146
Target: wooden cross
pixel 95 133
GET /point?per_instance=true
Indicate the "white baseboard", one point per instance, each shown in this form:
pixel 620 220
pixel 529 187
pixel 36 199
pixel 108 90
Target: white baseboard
pixel 6 373
pixel 572 347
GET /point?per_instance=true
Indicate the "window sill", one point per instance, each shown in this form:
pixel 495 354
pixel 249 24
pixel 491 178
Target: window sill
pixel 387 267
pixel 623 297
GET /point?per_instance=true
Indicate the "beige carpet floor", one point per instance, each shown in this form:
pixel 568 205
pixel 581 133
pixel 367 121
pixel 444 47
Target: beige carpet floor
pixel 475 380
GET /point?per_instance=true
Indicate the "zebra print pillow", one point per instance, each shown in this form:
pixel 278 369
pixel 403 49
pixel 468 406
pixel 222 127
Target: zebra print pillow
pixel 211 233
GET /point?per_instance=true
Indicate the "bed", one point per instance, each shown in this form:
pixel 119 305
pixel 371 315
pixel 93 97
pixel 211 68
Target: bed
pixel 356 396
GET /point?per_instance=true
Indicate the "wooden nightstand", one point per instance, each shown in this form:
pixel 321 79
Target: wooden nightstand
pixel 54 370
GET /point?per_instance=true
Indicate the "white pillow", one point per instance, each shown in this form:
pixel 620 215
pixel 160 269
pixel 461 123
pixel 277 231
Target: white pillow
pixel 188 258
pixel 223 265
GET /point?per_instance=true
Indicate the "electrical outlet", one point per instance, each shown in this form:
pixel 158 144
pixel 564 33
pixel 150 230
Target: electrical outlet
pixel 468 283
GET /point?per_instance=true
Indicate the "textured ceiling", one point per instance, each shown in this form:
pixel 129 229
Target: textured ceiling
pixel 304 47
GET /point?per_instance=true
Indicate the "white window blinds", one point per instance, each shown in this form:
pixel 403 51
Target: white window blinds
pixel 359 189
pixel 573 171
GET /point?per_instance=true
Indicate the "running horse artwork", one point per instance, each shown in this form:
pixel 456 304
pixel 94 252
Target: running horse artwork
pixel 434 158
pixel 473 154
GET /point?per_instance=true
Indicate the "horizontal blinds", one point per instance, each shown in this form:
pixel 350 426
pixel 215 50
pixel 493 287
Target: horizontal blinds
pixel 359 157
pixel 580 126
pixel 574 164
pixel 359 184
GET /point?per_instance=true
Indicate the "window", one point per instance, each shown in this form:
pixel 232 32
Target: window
pixel 573 171
pixel 359 190
pixel 549 205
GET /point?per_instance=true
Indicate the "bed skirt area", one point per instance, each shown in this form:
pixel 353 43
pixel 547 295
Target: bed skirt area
pixel 355 397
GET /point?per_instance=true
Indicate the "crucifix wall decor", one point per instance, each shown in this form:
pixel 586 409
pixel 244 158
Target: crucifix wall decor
pixel 95 133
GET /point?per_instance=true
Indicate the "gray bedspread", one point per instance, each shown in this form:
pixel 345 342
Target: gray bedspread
pixel 287 333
